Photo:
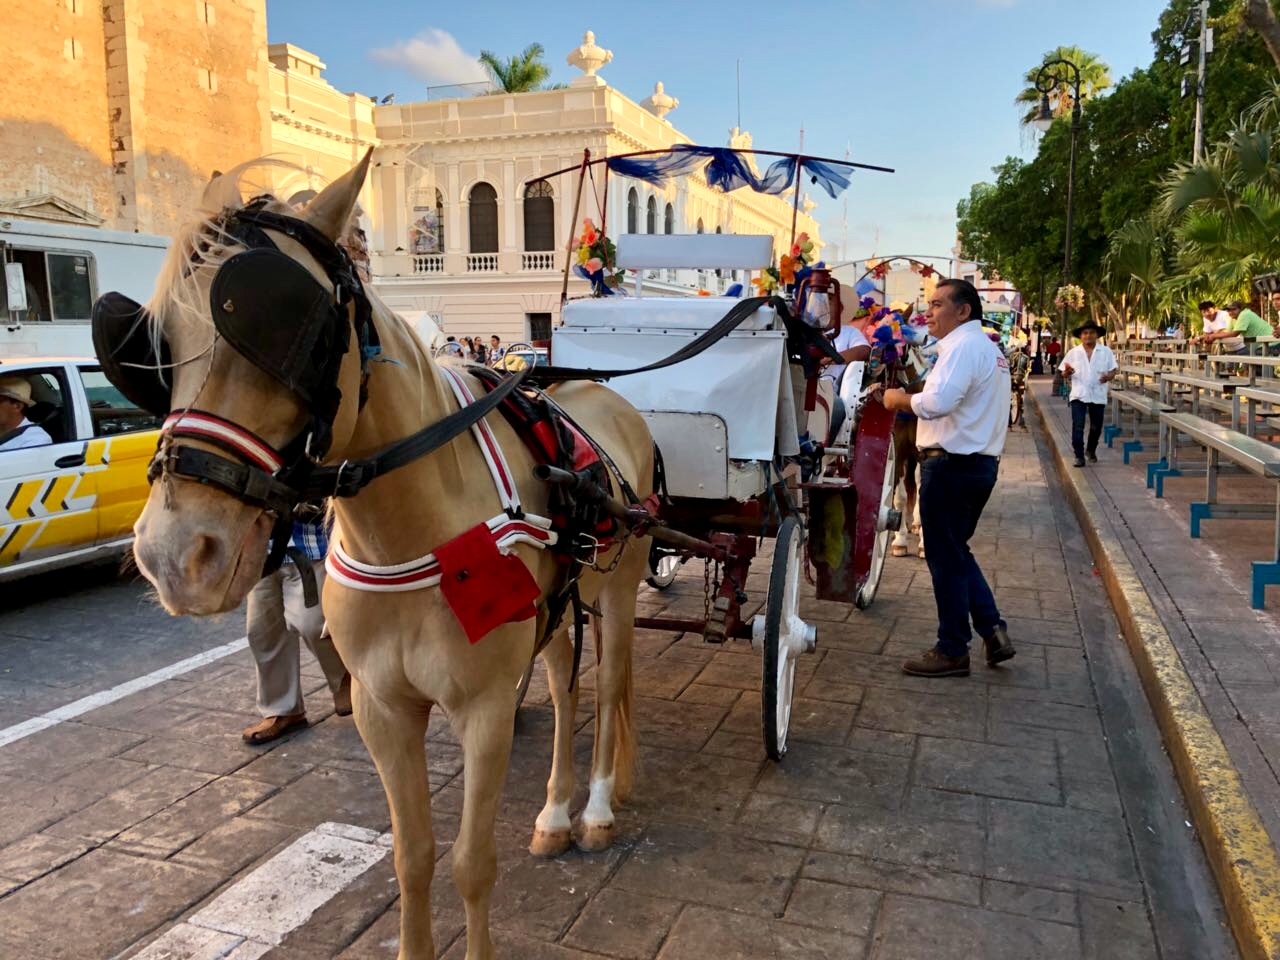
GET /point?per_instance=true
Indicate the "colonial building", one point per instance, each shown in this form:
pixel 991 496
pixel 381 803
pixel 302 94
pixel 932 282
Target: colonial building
pixel 116 113
pixel 471 227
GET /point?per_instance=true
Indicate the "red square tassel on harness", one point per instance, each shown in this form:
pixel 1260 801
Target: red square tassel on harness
pixel 484 587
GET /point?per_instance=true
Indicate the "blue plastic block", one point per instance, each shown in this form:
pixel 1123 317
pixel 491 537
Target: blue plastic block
pixel 1132 446
pixel 1153 468
pixel 1160 475
pixel 1200 510
pixel 1265 574
pixel 1109 433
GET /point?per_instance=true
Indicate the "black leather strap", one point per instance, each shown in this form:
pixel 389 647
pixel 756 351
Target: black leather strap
pixel 351 476
pixel 250 484
pixel 799 334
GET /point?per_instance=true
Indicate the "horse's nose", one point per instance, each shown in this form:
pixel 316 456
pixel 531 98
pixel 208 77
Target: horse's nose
pixel 201 557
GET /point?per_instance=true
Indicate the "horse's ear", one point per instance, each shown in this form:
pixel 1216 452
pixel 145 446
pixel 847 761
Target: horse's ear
pixel 329 211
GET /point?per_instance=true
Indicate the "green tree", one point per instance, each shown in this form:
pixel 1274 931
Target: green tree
pixel 1095 77
pixel 1137 264
pixel 518 74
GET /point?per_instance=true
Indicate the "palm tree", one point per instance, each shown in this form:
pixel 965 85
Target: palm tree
pixel 519 74
pixel 1226 211
pixel 1135 269
pixel 1095 76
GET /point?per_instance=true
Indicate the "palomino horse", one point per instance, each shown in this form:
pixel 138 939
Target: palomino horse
pixel 204 547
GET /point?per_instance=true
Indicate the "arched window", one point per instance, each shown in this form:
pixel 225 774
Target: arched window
pixel 633 211
pixel 426 235
pixel 719 272
pixel 539 216
pixel 651 216
pixel 482 218
pixel 669 220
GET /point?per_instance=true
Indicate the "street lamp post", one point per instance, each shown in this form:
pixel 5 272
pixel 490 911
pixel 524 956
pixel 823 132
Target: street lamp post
pixel 1047 80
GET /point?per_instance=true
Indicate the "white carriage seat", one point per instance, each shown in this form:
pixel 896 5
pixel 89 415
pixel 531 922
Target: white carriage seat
pixel 743 378
pixel 694 251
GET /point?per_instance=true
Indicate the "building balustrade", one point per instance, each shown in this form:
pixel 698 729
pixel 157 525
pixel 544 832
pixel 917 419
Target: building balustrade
pixel 428 263
pixel 538 260
pixel 482 263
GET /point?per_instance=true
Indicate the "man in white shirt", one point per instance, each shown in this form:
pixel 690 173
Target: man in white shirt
pixel 963 416
pixel 15 398
pixel 1214 319
pixel 1091 366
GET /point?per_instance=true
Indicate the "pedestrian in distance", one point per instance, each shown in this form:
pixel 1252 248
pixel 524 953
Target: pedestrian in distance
pixel 1090 366
pixel 278 618
pixel 963 416
pixel 1053 351
pixel 496 352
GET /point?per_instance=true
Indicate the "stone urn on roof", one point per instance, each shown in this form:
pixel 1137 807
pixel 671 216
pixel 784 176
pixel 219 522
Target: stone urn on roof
pixel 660 103
pixel 588 57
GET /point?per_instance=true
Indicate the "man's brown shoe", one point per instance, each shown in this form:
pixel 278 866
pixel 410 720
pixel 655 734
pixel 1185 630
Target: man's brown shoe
pixel 998 647
pixel 342 699
pixel 272 728
pixel 934 663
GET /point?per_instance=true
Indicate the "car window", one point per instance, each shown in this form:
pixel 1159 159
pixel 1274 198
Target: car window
pixel 110 411
pixel 48 408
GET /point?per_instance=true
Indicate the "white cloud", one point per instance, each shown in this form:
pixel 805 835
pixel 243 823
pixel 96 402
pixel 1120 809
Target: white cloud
pixel 433 56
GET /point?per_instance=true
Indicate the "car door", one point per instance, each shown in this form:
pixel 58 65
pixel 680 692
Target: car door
pixel 46 500
pixel 122 444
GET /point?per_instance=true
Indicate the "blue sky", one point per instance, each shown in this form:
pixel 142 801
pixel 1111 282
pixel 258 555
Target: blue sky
pixel 924 86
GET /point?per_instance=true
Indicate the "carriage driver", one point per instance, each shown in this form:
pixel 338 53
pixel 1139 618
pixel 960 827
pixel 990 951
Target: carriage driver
pixel 963 416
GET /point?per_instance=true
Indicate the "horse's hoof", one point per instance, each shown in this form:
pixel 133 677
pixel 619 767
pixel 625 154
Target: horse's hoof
pixel 920 553
pixel 596 837
pixel 897 551
pixel 550 843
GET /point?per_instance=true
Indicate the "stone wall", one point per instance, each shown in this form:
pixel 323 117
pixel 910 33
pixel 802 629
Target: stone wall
pixel 125 107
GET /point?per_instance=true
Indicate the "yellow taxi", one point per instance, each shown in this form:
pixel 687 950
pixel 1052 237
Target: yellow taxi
pixel 75 499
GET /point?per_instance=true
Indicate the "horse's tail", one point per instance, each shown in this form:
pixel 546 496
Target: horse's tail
pixel 624 746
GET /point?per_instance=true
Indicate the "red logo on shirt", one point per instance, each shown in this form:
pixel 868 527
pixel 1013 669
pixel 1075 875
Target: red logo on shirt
pixel 1002 362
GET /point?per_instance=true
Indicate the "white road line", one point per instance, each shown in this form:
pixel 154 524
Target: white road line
pixel 258 911
pixel 95 700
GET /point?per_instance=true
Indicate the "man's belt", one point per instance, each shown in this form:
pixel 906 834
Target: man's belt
pixel 928 453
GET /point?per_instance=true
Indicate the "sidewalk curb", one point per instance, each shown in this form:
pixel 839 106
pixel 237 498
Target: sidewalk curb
pixel 1240 852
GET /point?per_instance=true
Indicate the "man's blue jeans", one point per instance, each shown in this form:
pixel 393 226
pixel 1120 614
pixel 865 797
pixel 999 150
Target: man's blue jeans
pixel 953 492
pixel 1095 412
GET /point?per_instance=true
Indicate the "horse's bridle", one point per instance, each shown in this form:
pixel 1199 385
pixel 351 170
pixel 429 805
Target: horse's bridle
pixel 272 311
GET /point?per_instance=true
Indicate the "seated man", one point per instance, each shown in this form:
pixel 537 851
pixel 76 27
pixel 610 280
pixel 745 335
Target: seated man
pixel 16 431
pixel 1244 323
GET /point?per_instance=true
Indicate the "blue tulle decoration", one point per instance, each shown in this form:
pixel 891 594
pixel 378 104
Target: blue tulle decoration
pixel 596 278
pixel 864 286
pixel 728 170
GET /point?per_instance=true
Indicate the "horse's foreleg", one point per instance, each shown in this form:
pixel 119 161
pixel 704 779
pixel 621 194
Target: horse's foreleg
pixel 394 738
pixel 900 503
pixel 613 759
pixel 552 834
pixel 485 724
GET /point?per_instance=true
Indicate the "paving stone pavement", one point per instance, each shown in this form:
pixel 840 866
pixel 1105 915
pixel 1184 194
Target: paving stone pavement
pixel 962 818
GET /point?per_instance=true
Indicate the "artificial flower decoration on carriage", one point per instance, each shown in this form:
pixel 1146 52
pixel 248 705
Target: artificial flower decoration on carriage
pixel 1070 296
pixel 790 268
pixel 597 260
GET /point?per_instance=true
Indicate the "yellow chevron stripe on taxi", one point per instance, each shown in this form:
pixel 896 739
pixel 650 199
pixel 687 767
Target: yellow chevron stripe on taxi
pixel 95 453
pixel 24 497
pixel 55 500
pixel 20 541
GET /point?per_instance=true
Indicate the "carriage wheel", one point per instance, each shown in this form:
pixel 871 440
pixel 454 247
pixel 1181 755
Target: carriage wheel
pixel 783 635
pixel 883 537
pixel 663 568
pixel 876 520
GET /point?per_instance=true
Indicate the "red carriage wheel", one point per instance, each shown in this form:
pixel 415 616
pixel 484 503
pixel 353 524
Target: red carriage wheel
pixel 873 467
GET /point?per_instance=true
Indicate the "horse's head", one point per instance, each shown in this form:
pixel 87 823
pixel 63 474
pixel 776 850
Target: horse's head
pixel 252 348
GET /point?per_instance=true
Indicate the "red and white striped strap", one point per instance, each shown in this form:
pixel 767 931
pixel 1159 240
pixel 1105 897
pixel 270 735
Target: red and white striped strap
pixel 497 463
pixel 425 571
pixel 224 433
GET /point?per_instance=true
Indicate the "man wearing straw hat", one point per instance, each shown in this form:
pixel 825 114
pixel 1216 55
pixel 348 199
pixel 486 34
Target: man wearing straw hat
pixel 1091 366
pixel 16 431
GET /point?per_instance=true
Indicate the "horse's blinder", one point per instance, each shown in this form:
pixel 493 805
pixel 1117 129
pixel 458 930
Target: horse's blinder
pixel 272 311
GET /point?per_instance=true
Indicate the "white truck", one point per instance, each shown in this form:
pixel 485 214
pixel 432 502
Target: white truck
pixel 52 274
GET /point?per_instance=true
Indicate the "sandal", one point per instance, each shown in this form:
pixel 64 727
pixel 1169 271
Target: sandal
pixel 272 728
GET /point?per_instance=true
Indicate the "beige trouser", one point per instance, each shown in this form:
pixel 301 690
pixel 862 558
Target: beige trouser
pixel 277 618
